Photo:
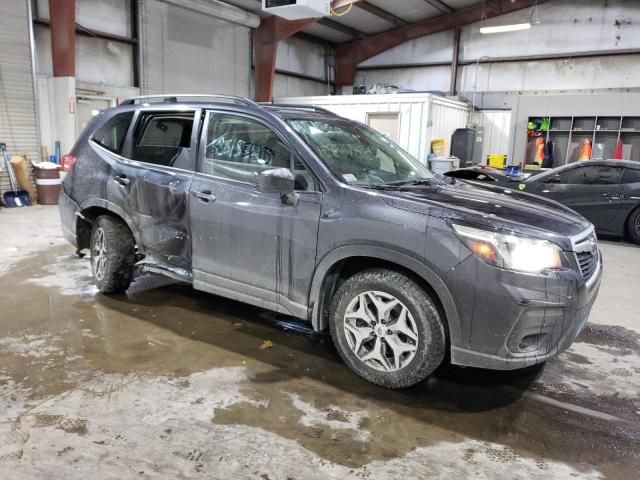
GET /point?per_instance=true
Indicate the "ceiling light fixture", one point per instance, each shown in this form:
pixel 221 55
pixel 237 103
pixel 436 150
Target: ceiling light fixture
pixel 506 28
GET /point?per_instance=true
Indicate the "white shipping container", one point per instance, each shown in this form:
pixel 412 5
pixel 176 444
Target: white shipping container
pixel 420 117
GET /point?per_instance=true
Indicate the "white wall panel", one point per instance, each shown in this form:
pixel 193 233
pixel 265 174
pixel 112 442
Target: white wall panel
pixel 497 127
pixel 444 119
pixel 424 79
pixel 301 56
pixel 97 60
pixel 566 26
pixel 189 52
pixel 108 16
pixel 288 86
pixel 434 48
pixel 567 74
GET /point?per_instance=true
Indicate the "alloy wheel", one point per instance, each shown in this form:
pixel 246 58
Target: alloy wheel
pixel 99 257
pixel 380 331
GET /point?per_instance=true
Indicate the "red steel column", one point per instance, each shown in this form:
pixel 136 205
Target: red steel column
pixel 265 47
pixel 63 37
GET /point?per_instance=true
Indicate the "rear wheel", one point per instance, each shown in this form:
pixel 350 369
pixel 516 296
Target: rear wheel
pixel 112 255
pixel 633 226
pixel 387 328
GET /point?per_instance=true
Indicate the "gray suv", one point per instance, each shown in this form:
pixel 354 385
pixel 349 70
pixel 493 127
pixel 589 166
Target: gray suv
pixel 297 210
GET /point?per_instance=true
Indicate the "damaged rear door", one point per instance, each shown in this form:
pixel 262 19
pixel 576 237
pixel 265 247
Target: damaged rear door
pixel 249 245
pixel 162 150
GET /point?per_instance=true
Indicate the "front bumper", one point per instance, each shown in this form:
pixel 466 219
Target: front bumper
pixel 512 320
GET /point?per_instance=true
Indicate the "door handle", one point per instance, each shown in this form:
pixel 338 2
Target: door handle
pixel 122 180
pixel 205 196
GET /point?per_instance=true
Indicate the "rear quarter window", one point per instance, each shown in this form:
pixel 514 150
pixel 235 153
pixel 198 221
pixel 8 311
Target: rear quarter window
pixel 112 134
pixel 630 175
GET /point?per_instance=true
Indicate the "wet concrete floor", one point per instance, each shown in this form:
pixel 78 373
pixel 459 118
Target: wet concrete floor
pixel 167 382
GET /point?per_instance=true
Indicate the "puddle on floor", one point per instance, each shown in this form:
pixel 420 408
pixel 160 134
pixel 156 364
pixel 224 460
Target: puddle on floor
pixel 177 377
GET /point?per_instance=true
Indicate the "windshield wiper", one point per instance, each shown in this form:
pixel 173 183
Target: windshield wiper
pixel 411 183
pixel 380 186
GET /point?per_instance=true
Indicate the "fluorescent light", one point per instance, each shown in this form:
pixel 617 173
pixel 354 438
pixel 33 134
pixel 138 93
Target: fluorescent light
pixel 506 28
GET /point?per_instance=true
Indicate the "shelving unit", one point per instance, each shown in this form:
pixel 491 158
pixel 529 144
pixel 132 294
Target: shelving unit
pixel 567 134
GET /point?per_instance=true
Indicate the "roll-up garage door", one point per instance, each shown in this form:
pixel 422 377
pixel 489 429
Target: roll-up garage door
pixel 17 104
pixel 196 47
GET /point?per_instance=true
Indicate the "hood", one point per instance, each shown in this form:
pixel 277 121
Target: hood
pixel 492 206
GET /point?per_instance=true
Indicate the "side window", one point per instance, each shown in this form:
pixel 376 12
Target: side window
pixel 591 175
pixel 574 176
pixel 630 175
pixel 603 175
pixel 238 148
pixel 164 138
pixel 112 134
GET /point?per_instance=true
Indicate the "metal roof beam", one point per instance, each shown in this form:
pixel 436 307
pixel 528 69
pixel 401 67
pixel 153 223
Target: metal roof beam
pixel 339 27
pixel 443 7
pixel 349 55
pixel 381 13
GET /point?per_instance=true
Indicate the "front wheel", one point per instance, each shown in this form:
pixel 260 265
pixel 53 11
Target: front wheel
pixel 387 328
pixel 112 255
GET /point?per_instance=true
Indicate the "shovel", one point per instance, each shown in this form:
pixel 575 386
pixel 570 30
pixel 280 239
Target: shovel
pixel 14 198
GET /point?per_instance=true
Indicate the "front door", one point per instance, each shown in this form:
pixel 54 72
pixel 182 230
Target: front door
pixel 591 190
pixel 249 245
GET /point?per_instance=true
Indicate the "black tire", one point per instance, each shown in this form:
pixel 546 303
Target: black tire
pixel 633 226
pixel 118 253
pixel 431 341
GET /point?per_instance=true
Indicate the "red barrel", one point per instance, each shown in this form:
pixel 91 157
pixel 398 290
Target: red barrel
pixel 48 185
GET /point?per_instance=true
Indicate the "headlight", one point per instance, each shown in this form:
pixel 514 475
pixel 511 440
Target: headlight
pixel 509 251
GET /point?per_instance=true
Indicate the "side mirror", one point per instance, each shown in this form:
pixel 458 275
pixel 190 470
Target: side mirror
pixel 278 180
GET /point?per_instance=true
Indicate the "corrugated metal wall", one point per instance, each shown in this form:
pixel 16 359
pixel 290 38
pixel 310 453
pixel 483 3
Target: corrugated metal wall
pixel 190 52
pixel 17 105
pixel 497 128
pixel 445 117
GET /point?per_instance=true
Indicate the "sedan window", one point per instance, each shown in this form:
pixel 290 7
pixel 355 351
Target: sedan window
pixel 590 175
pixel 630 175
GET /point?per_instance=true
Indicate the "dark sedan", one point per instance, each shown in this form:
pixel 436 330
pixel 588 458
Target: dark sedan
pixel 605 192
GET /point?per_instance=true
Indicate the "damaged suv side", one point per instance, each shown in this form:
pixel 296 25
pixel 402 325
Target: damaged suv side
pixel 300 211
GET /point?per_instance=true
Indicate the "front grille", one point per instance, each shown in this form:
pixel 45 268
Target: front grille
pixel 588 263
pixel 587 254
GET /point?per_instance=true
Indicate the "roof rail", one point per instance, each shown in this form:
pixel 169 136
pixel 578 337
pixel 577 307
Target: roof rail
pixel 297 107
pixel 173 98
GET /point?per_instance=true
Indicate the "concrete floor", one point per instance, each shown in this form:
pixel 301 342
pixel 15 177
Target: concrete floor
pixel 166 382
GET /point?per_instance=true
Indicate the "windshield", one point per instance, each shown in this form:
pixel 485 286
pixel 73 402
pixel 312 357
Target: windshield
pixel 359 155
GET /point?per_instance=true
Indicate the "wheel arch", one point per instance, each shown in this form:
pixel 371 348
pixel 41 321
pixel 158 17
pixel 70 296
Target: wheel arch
pixel 89 213
pixel 350 259
pixel 626 227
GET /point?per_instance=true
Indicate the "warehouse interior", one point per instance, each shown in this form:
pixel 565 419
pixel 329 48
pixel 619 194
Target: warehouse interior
pixel 166 381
